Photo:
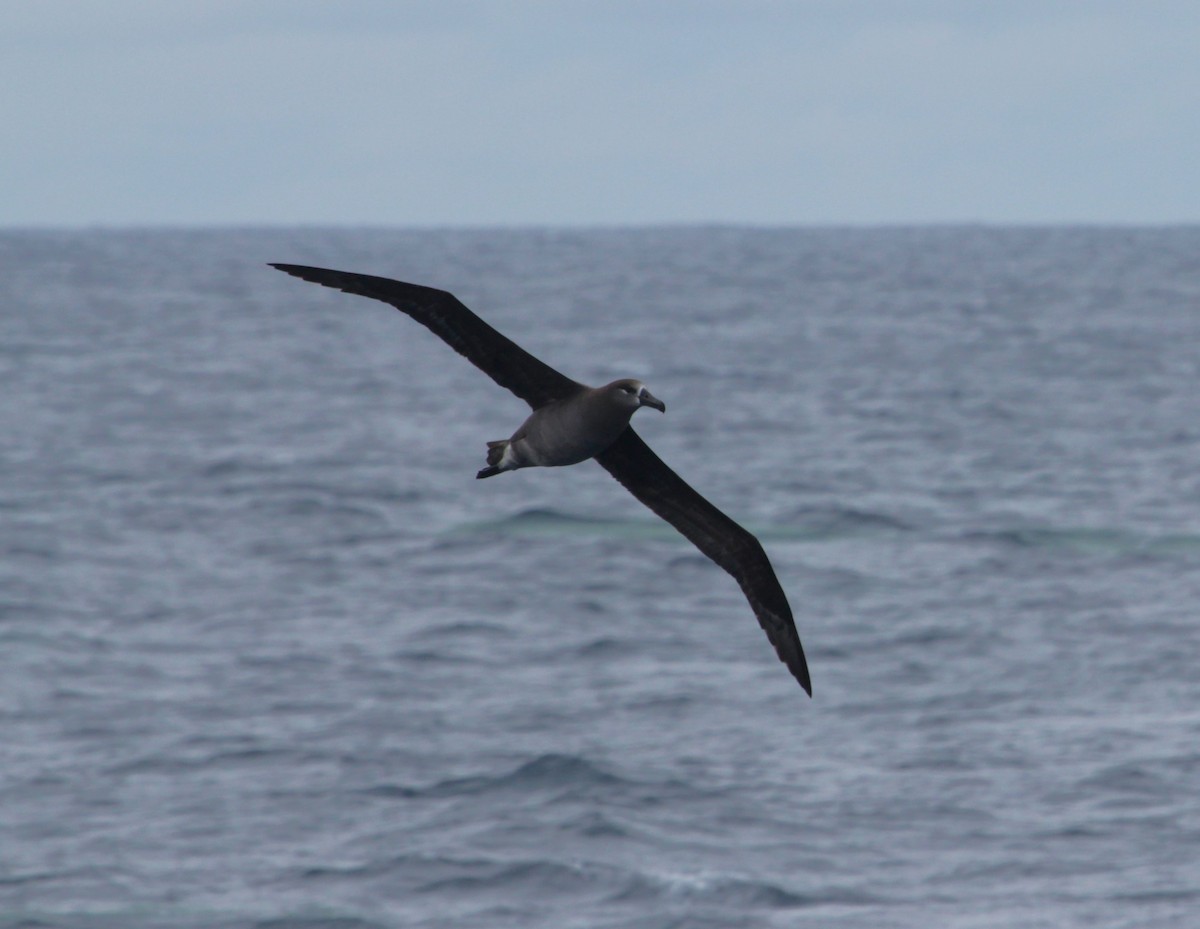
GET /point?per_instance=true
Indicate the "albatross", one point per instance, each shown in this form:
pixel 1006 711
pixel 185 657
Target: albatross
pixel 572 422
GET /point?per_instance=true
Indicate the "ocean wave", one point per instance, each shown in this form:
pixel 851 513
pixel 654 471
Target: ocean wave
pixel 448 875
pixel 522 879
pixel 1091 541
pixel 550 772
pixel 300 504
pixel 227 758
pixel 807 525
pixel 737 893
pixel 552 779
pixel 317 922
pixel 536 879
pixel 551 522
pixel 841 521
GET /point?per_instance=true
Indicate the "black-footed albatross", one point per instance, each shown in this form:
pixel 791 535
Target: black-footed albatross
pixel 571 423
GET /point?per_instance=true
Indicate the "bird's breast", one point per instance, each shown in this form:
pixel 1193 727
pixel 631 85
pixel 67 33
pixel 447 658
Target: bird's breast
pixel 560 434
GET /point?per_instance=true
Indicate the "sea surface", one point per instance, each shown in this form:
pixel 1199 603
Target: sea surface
pixel 272 658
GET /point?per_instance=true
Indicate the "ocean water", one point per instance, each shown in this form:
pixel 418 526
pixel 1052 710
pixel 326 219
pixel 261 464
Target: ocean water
pixel 271 657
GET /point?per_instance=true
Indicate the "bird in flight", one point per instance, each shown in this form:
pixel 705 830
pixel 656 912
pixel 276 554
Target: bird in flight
pixel 572 422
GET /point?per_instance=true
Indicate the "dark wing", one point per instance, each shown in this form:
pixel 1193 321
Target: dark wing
pixel 644 475
pixel 500 358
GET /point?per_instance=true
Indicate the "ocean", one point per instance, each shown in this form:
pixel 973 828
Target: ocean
pixel 272 658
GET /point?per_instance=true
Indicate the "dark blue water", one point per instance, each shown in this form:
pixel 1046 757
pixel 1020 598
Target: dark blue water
pixel 272 657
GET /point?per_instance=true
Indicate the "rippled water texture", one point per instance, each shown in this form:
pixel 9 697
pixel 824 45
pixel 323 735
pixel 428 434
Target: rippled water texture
pixel 272 657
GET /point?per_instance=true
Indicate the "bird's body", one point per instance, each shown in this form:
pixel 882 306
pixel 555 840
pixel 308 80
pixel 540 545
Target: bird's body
pixel 571 430
pixel 572 422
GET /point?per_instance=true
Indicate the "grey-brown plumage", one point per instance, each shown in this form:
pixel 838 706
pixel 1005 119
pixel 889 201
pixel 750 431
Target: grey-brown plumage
pixel 572 429
pixel 570 423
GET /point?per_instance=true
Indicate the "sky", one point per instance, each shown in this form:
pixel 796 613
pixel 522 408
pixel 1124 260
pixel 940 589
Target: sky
pixel 598 112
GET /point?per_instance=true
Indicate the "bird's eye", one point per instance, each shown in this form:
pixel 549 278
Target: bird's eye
pixel 628 389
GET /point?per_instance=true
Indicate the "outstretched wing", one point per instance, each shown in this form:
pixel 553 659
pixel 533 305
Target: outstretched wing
pixel 500 358
pixel 644 475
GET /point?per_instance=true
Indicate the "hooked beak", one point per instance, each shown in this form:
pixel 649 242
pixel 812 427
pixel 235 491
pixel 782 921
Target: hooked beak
pixel 645 398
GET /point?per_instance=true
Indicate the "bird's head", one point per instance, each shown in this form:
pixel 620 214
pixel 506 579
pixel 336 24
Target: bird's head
pixel 632 394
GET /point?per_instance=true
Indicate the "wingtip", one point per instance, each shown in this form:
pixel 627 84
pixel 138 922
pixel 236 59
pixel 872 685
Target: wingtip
pixel 792 657
pixel 800 673
pixel 791 653
pixel 339 280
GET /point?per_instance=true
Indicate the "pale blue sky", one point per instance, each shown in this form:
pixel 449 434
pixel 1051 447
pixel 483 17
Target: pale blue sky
pixel 461 112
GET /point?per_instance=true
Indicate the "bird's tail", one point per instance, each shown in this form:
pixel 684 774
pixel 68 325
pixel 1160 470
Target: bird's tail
pixel 495 453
